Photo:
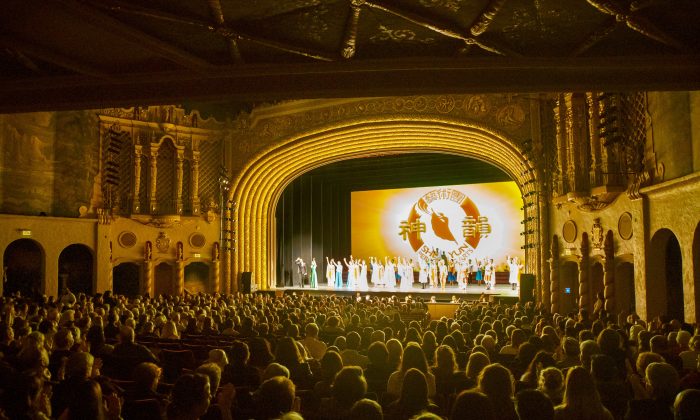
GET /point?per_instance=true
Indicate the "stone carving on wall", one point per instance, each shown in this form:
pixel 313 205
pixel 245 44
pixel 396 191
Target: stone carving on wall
pixel 162 242
pixel 597 234
pixel 601 143
pixel 158 170
pixel 267 124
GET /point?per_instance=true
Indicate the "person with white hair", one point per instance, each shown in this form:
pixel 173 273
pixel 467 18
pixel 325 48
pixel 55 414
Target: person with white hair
pixel 690 355
pixel 655 400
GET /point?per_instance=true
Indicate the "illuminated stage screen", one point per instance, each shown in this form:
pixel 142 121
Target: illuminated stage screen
pixel 477 220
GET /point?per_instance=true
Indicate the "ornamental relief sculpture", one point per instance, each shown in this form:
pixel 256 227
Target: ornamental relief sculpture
pixel 505 112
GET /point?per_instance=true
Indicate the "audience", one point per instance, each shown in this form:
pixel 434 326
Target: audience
pixel 241 356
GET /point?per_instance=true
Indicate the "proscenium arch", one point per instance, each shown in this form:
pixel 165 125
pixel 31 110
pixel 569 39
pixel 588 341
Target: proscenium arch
pixel 258 186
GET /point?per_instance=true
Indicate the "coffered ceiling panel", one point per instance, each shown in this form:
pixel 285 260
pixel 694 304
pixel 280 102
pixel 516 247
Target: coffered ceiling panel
pixel 112 51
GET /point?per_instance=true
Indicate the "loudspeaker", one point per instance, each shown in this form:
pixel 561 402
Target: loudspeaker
pixel 527 288
pixel 246 280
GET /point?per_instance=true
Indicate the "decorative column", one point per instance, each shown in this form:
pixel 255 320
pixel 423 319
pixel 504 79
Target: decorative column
pixel 609 272
pixel 559 118
pixel 136 202
pixel 554 295
pixel 180 271
pixel 148 278
pixel 593 123
pixel 577 142
pixel 230 285
pixel 216 262
pixel 194 190
pixel 584 287
pixel 154 176
pixel 178 180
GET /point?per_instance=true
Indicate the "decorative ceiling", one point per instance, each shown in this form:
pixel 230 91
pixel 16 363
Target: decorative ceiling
pixel 84 53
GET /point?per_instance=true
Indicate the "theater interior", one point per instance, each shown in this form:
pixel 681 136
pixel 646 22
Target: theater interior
pixel 163 146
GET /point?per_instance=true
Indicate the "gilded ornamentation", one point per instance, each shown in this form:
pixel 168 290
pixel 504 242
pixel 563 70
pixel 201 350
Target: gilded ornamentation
pixel 597 234
pixel 399 35
pixel 252 131
pixel 445 104
pixel 486 17
pixel 162 242
pixel 257 185
pixel 451 5
pixel 477 105
pixel 511 115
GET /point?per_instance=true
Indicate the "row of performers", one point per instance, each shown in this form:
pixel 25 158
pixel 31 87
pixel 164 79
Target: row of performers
pixel 432 272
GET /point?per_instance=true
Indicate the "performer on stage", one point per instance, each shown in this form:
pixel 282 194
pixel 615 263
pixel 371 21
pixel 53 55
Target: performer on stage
pixel 301 270
pixel 338 274
pixel 375 272
pixel 442 272
pixel 463 274
pixel 489 274
pixel 433 273
pixel 514 266
pixel 479 275
pixel 352 279
pixel 362 283
pixel 424 272
pixel 389 273
pixel 313 279
pixel 407 275
pixel 451 272
pixel 330 272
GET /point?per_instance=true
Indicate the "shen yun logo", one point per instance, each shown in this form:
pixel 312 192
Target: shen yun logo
pixel 444 219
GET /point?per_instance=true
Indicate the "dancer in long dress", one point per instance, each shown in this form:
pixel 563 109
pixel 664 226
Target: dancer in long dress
pixel 338 274
pixel 389 274
pixel 514 266
pixel 423 274
pixel 330 272
pixel 406 275
pixel 433 273
pixel 313 279
pixel 362 284
pixel 442 272
pixel 380 273
pixel 375 271
pixel 462 274
pixel 351 273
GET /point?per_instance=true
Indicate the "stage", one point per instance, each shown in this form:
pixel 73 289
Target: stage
pixel 501 293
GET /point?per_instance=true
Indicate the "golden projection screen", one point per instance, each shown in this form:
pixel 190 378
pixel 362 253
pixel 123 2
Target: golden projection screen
pixel 477 220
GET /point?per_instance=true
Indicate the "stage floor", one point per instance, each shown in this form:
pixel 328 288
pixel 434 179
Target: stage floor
pixel 473 292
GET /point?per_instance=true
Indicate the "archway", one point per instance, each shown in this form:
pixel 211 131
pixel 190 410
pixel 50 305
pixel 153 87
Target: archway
pixel 665 276
pixel 23 261
pixel 197 278
pixel 260 183
pixel 596 281
pixel 75 269
pixel 624 287
pixel 126 279
pixel 568 281
pixel 164 279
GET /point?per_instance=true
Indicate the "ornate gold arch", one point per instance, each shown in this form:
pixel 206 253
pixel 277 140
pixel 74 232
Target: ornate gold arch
pixel 258 186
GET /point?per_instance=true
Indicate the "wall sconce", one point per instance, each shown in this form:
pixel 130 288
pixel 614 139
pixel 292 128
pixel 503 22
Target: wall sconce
pixel 24 232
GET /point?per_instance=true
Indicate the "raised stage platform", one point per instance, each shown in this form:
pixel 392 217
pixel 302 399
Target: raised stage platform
pixel 501 293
